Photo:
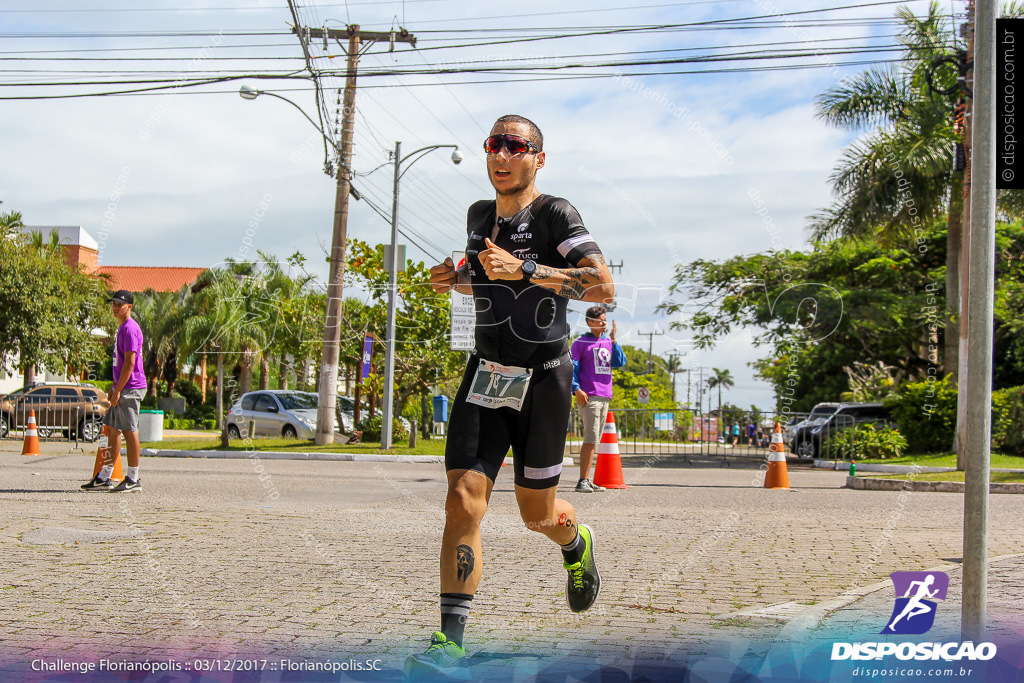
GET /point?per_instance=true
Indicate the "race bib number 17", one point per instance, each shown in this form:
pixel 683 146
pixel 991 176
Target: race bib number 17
pixel 496 386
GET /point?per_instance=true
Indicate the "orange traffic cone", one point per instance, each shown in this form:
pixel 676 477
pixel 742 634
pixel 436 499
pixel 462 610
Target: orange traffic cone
pixel 777 476
pixel 31 446
pixel 101 457
pixel 608 471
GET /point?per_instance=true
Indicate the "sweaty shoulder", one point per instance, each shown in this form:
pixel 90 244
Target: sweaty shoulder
pixel 568 234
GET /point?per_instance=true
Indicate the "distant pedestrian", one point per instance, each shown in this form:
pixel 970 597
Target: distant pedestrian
pixel 125 399
pixel 736 434
pixel 593 357
pixel 752 434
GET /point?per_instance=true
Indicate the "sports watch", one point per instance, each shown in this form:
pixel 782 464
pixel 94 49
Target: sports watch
pixel 529 268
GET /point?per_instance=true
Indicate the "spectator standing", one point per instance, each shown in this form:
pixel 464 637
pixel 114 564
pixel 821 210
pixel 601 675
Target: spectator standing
pixel 125 399
pixel 593 357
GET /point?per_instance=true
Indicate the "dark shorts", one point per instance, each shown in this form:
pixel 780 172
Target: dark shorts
pixel 479 437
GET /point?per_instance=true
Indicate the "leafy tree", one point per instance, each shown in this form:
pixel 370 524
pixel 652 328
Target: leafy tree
pixel 47 310
pixel 897 176
pixel 879 304
pixel 423 321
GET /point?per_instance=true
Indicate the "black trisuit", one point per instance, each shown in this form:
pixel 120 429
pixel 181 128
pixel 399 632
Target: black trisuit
pixel 520 324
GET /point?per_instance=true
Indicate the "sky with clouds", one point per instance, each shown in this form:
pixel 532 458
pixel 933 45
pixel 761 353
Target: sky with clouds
pixel 661 167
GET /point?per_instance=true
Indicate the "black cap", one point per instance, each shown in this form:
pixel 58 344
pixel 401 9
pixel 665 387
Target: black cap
pixel 123 296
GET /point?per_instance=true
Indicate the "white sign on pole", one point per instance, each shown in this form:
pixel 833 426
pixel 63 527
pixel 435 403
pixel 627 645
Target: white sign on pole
pixel 463 314
pixel 643 394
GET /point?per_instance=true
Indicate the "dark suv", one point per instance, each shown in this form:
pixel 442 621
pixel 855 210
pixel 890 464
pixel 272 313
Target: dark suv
pixel 809 436
pixel 68 408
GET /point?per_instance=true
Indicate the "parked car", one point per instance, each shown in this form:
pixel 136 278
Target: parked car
pixel 809 437
pixel 73 409
pixel 272 412
pixel 817 415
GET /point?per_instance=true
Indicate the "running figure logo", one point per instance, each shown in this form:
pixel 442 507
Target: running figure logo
pixel 913 612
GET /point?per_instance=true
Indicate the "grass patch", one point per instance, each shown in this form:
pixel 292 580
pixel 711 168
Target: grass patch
pixel 423 446
pixel 994 477
pixel 999 460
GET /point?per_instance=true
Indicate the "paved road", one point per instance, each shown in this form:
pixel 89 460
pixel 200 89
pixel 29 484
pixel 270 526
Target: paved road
pixel 317 559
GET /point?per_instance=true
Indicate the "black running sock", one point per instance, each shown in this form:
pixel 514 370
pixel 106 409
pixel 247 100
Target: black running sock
pixel 454 612
pixel 573 550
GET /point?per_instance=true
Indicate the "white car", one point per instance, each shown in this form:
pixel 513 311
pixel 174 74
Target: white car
pixel 288 414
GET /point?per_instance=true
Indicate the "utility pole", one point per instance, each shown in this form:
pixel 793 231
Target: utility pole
pixel 977 439
pixel 963 369
pixel 328 383
pixel 650 348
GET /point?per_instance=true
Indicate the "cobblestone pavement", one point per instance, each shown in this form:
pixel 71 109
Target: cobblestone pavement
pixel 280 558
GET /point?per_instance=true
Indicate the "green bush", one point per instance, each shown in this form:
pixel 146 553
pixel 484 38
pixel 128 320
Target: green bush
pixel 925 413
pixel 1008 420
pixel 210 424
pixel 200 411
pixel 190 391
pixel 178 423
pixel 864 442
pixel 371 428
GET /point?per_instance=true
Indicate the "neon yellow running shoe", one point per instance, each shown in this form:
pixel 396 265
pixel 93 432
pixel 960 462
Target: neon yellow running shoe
pixel 584 582
pixel 442 657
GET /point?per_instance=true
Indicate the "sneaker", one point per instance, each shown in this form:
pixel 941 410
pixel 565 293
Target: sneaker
pixel 97 484
pixel 128 484
pixel 587 486
pixel 584 582
pixel 443 656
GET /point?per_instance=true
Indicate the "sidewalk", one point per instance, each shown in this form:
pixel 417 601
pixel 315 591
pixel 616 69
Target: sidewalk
pixel 320 561
pixel 864 618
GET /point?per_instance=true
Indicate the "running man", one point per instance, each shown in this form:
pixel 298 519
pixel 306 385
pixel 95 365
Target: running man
pixel 527 254
pixel 914 606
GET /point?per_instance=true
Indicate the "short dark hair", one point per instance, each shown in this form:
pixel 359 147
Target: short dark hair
pixel 536 137
pixel 594 312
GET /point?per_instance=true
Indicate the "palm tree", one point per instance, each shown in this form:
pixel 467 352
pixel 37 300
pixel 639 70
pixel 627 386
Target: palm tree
pixel 161 316
pixel 673 365
pixel 897 177
pixel 211 326
pixel 721 378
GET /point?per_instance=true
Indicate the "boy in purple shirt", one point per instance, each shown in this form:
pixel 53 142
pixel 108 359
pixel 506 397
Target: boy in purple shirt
pixel 125 398
pixel 593 357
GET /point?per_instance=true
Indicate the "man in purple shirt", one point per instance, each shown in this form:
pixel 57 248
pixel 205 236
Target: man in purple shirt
pixel 125 398
pixel 593 357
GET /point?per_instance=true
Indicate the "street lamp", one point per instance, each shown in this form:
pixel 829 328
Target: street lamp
pixel 327 388
pixel 389 342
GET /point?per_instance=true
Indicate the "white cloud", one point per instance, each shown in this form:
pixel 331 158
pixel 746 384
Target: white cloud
pixel 659 166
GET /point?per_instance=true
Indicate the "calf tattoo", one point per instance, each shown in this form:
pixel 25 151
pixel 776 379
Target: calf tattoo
pixel 564 520
pixel 465 562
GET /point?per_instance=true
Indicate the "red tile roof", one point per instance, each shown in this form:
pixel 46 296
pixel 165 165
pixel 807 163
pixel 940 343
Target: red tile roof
pixel 141 278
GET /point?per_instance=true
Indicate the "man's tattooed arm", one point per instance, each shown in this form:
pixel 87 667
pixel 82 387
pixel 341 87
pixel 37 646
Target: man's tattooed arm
pixel 589 281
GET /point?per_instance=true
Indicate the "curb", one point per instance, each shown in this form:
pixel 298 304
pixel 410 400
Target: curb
pixel 285 455
pixel 892 469
pixel 871 484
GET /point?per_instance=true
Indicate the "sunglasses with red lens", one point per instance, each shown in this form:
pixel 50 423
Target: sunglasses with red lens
pixel 513 143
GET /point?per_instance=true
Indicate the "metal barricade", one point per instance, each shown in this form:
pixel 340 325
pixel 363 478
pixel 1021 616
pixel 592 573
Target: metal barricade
pixel 71 418
pixel 685 434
